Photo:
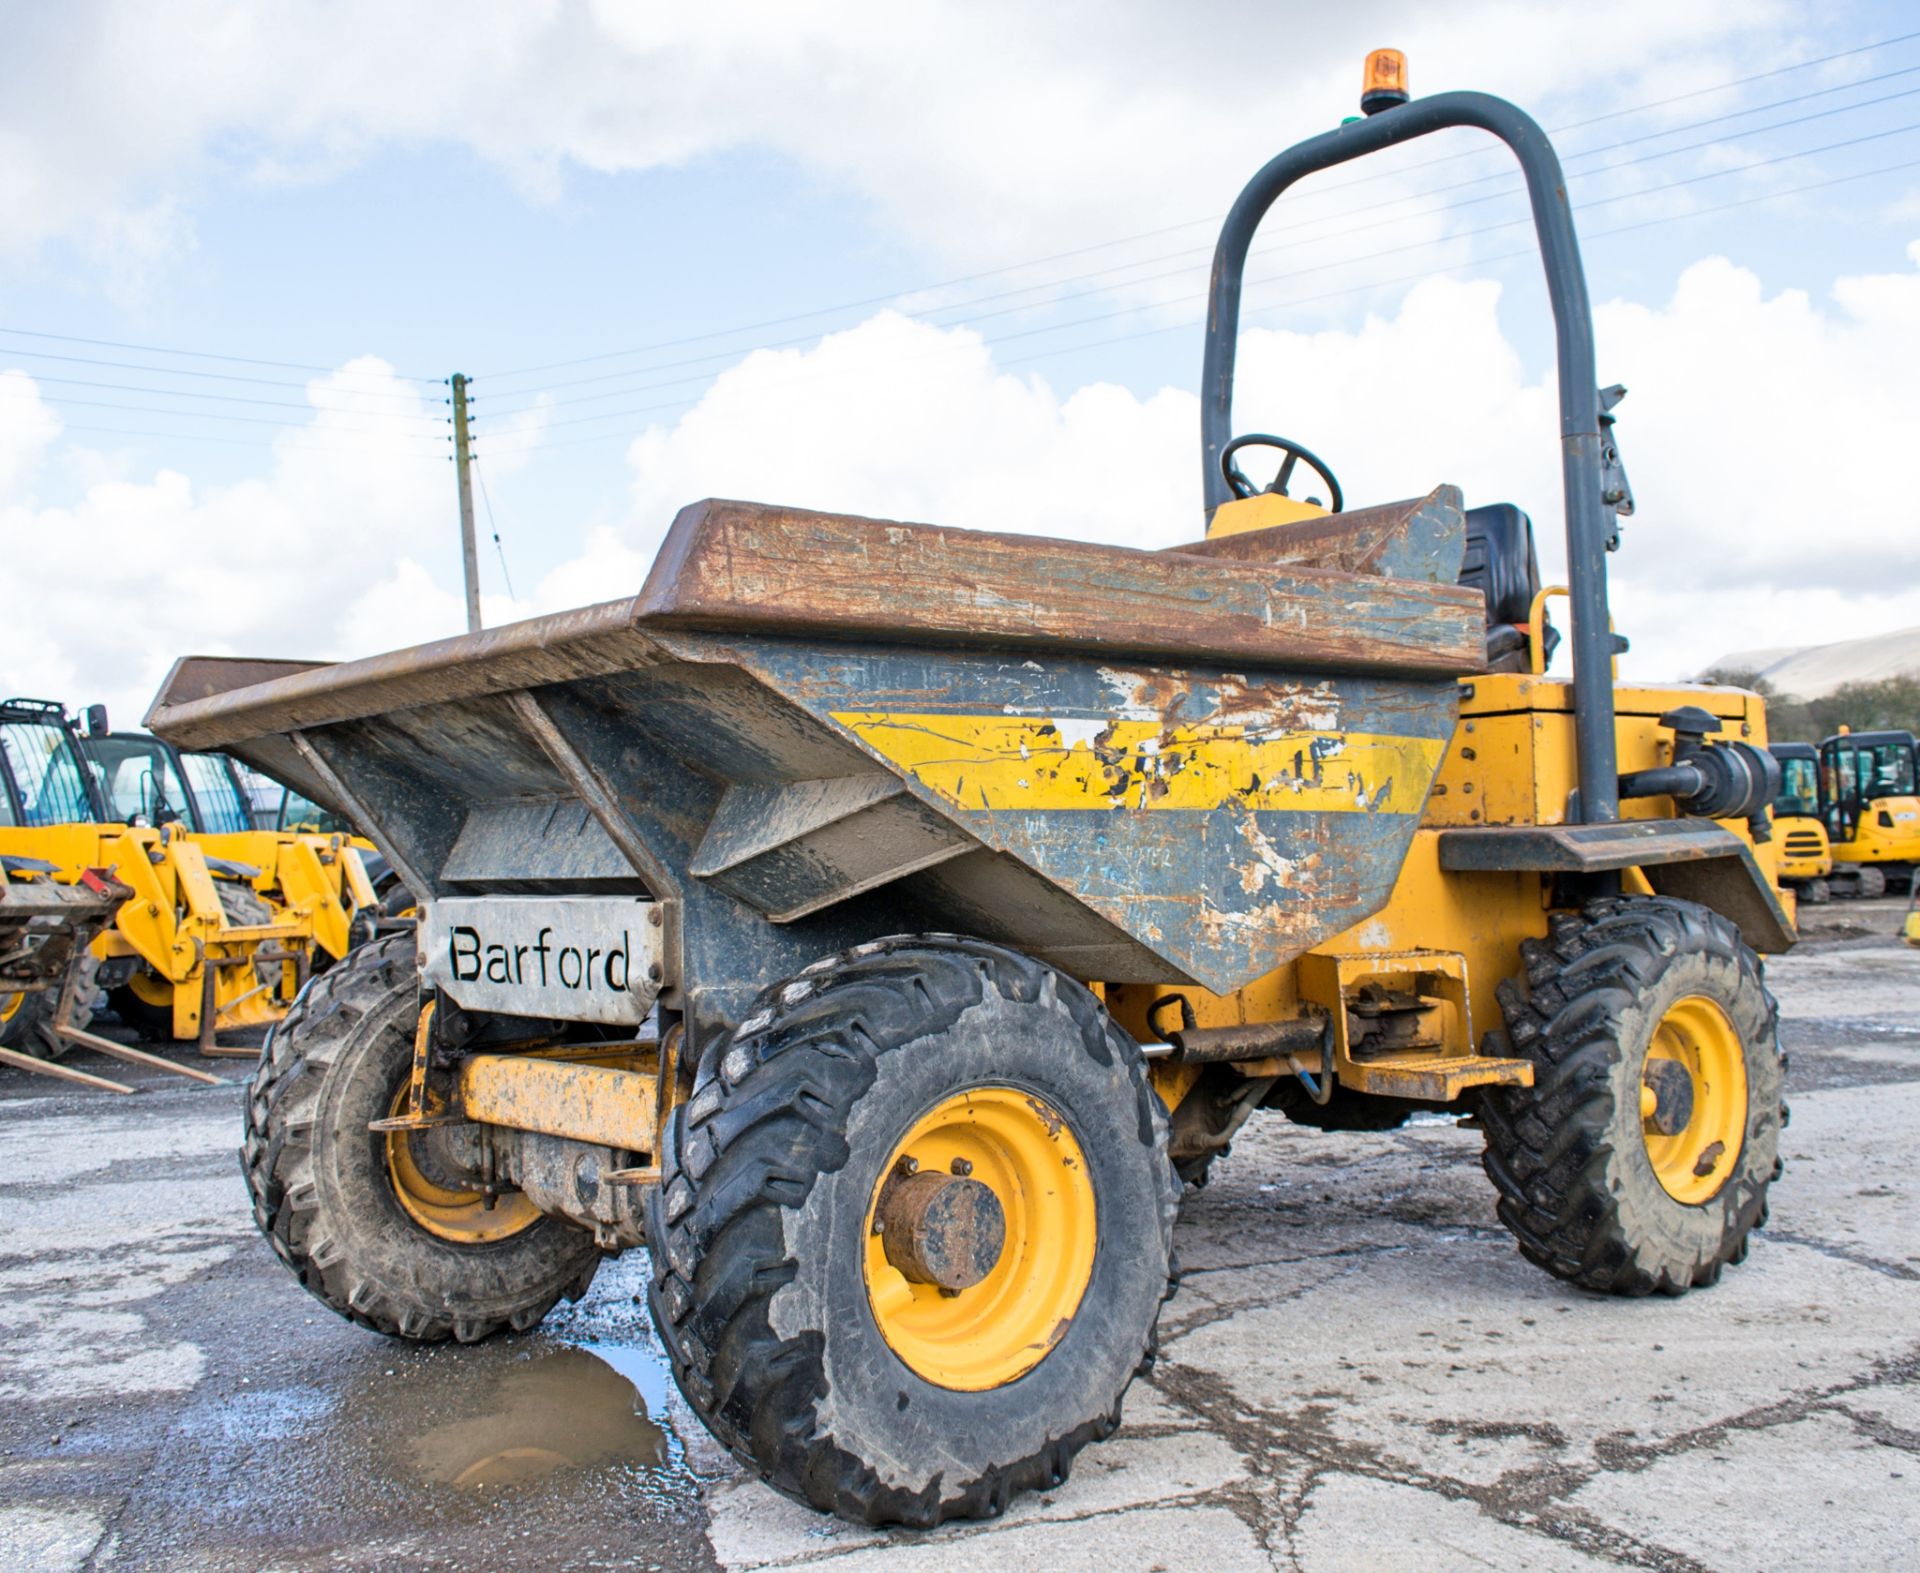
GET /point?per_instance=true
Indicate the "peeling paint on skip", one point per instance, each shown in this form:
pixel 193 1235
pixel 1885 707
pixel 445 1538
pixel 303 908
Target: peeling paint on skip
pixel 1268 859
pixel 1124 689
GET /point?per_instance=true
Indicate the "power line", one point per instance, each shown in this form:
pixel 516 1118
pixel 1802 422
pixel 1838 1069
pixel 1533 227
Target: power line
pixel 1744 81
pixel 1517 190
pixel 232 442
pixel 224 415
pixel 1295 241
pixel 899 294
pixel 253 400
pixel 1291 304
pixel 1053 284
pixel 1322 267
pixel 183 371
pixel 1472 262
pixel 1187 323
pixel 238 360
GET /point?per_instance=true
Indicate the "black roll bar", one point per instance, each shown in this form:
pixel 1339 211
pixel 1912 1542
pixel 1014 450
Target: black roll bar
pixel 1589 528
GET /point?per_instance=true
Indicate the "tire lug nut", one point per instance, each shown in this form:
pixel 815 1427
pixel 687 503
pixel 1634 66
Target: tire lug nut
pixel 962 1167
pixel 908 1165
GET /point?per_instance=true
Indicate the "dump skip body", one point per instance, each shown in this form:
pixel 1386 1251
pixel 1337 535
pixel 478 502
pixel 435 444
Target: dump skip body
pixel 808 730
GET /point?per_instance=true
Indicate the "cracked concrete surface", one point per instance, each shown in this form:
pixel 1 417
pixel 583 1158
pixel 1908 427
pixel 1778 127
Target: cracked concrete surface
pixel 1358 1371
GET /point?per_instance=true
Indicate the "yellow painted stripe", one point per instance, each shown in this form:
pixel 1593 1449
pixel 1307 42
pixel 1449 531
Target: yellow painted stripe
pixel 1032 762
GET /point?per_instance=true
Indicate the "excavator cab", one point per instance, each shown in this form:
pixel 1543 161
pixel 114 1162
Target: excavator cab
pixel 1870 797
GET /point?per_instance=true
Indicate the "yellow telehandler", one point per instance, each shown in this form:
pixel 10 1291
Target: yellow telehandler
pixel 881 921
pixel 328 885
pixel 195 947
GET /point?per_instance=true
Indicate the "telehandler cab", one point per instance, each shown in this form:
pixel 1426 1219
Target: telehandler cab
pixel 879 921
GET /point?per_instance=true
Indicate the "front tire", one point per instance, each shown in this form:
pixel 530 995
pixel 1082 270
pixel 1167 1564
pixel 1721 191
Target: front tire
pixel 26 1019
pixel 1640 1158
pixel 21 1013
pixel 843 1381
pixel 378 1227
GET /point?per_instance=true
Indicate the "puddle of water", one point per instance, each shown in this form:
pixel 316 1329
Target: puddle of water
pixel 561 1409
pixel 642 1367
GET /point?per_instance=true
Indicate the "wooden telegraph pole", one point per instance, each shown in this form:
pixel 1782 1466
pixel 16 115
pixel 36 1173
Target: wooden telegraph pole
pixel 463 462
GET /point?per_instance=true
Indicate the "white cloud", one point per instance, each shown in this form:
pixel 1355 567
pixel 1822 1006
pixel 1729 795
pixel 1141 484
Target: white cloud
pixel 1763 435
pixel 27 429
pixel 980 130
pixel 318 556
pixel 902 420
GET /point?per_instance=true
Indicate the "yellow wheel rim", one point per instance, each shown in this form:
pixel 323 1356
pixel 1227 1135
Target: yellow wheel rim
pixel 458 1215
pixel 1001 1327
pixel 151 989
pixel 10 1006
pixel 1694 1160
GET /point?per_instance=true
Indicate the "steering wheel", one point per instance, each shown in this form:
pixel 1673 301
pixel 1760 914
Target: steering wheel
pixel 1242 487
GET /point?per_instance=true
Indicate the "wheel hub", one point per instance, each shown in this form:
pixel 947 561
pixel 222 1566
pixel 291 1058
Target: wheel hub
pixel 1666 1097
pixel 980 1238
pixel 942 1229
pixel 435 1181
pixel 1693 1099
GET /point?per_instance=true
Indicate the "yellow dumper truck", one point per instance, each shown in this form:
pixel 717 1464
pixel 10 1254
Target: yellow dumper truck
pixel 880 921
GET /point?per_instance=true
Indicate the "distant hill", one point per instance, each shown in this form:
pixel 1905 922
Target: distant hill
pixel 1814 671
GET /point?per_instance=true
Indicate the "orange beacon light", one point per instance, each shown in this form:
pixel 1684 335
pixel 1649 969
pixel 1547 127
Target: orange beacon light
pixel 1384 84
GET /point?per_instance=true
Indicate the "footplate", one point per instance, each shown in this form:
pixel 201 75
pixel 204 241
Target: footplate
pixel 1433 1078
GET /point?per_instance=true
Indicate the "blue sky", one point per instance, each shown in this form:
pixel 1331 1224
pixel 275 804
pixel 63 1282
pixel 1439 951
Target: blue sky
pixel 326 188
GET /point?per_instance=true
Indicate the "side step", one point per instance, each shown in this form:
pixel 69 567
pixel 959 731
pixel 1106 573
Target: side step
pixel 1434 1078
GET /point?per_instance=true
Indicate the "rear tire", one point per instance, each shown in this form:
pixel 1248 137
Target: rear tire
pixel 1591 1187
pixel 783 1339
pixel 324 1188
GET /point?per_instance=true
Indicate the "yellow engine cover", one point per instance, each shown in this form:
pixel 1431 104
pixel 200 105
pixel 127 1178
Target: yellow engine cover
pixel 1804 852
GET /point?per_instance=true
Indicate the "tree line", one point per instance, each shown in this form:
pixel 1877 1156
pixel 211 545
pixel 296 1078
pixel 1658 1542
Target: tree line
pixel 1891 703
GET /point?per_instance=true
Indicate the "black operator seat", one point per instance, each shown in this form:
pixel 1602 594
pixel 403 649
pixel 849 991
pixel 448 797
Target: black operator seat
pixel 1501 564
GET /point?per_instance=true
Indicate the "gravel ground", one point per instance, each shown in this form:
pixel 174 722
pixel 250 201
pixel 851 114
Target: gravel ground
pixel 1358 1372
